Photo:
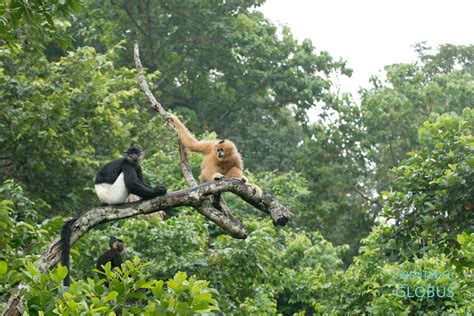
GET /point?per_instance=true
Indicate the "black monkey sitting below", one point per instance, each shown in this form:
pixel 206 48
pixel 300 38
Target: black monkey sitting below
pixel 121 177
pixel 114 256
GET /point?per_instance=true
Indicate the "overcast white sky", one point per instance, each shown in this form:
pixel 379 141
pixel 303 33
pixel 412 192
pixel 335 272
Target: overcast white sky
pixel 370 34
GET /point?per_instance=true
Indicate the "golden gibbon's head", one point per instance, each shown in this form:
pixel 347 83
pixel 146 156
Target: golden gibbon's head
pixel 224 149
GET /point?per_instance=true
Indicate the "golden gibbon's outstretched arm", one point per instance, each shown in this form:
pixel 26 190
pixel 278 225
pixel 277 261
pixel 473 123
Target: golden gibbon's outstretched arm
pixel 188 139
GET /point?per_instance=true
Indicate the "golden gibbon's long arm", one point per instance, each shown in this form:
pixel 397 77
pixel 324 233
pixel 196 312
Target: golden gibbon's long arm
pixel 188 139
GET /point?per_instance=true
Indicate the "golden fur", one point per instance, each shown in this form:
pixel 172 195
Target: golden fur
pixel 213 167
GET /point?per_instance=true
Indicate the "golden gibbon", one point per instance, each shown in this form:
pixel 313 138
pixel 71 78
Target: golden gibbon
pixel 221 159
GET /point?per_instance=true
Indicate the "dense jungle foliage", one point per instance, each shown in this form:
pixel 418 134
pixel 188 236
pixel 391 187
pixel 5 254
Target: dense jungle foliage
pixel 381 185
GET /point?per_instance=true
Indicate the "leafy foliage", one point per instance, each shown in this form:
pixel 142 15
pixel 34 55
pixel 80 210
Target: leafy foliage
pixel 436 186
pixel 224 66
pixel 429 234
pixel 347 159
pixel 373 284
pixel 34 22
pixel 129 291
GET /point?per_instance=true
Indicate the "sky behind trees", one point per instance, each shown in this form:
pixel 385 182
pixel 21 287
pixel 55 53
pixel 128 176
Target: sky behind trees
pixel 370 34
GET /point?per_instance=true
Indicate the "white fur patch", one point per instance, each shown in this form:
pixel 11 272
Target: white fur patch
pixel 115 193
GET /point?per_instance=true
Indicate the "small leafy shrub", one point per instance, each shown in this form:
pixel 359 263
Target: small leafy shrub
pixel 129 291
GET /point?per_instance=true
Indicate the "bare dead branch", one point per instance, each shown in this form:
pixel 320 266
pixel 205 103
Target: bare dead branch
pixel 141 76
pixel 185 168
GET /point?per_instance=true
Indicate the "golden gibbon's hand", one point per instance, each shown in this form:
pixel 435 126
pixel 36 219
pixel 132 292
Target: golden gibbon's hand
pixel 170 118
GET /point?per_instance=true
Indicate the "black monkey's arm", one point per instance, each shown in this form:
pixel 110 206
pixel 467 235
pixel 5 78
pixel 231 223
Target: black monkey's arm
pixel 140 177
pixel 159 188
pixel 135 186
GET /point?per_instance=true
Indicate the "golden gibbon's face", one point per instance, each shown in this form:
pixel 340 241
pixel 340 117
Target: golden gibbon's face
pixel 224 149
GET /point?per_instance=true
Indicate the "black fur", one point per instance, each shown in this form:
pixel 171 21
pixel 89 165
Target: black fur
pixel 113 256
pixel 133 176
pixel 65 246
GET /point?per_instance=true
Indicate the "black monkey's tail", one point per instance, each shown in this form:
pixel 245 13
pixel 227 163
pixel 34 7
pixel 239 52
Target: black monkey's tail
pixel 65 245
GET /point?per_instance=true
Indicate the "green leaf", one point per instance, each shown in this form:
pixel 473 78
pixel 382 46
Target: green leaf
pixel 180 277
pixel 195 290
pixel 68 296
pixel 27 225
pixel 201 307
pixel 75 5
pixel 461 239
pixel 157 290
pixel 3 267
pixel 470 162
pixel 204 297
pixel 62 272
pixel 138 295
pixel 172 284
pixel 72 305
pixel 147 285
pixel 112 295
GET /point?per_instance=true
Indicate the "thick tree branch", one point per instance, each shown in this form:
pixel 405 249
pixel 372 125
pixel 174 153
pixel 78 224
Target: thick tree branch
pixel 195 196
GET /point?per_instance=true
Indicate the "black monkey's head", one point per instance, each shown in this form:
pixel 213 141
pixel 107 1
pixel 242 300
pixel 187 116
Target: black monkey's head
pixel 133 154
pixel 116 244
pixel 224 149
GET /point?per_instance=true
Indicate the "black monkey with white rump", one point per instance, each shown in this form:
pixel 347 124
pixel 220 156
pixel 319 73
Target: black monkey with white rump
pixel 121 177
pixel 117 182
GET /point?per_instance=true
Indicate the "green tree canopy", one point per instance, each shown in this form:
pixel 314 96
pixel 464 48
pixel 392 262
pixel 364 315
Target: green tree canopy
pixel 224 66
pixel 35 22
